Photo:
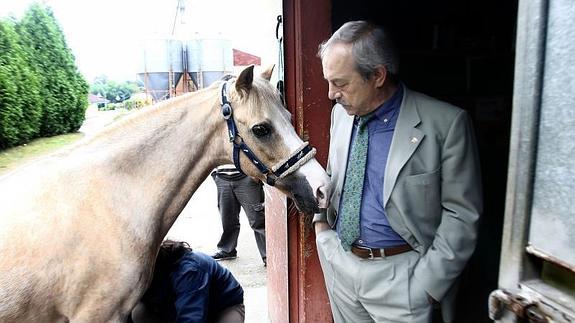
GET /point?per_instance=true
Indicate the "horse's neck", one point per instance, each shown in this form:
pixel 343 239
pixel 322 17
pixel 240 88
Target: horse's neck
pixel 158 159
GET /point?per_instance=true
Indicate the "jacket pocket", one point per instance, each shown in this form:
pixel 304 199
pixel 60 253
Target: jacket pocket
pixel 422 197
pixel 424 179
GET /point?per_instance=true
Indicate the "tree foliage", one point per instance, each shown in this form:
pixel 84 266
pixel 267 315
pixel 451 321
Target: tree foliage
pixel 114 91
pixel 20 108
pixel 63 89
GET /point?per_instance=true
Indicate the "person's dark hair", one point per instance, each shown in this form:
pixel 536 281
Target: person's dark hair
pixel 371 46
pixel 170 253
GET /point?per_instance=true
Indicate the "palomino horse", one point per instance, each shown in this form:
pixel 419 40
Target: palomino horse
pixel 79 231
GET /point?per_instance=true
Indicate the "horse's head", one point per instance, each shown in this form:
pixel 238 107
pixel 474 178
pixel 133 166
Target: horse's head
pixel 267 146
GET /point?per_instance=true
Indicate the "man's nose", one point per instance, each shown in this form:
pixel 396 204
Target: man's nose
pixel 332 93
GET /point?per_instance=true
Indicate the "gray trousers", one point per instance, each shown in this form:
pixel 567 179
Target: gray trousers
pixel 371 290
pixel 232 196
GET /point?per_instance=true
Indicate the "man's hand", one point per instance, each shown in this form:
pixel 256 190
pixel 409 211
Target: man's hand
pixel 321 226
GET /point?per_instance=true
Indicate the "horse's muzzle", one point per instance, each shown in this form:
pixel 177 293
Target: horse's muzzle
pixel 298 188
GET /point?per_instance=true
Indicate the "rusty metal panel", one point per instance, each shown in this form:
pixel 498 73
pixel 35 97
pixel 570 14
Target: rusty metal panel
pixel 529 58
pixel 538 219
pixel 553 216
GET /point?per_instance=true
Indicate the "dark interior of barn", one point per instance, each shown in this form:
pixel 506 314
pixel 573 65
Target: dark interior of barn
pixel 461 52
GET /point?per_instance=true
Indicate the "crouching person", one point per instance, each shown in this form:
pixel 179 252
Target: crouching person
pixel 190 287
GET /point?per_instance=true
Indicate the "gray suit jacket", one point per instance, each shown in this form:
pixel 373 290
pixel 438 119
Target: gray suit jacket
pixel 432 187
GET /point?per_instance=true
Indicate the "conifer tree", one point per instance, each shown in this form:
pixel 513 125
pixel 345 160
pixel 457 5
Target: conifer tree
pixel 20 108
pixel 64 91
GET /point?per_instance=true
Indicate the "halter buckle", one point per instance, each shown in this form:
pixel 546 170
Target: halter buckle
pixel 227 110
pixel 293 162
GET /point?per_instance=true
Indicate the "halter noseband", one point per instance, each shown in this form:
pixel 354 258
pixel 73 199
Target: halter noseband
pixel 282 169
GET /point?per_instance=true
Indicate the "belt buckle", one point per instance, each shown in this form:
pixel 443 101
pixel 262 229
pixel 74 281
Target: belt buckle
pixel 371 256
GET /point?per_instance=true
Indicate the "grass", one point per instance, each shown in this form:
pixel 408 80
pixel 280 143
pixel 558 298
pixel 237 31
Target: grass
pixel 13 157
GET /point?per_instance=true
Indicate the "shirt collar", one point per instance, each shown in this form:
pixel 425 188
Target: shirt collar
pixel 393 103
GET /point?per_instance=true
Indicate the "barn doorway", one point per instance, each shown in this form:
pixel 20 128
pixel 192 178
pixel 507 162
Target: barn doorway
pixel 462 53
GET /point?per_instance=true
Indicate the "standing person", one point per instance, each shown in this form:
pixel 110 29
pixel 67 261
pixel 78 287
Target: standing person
pixel 406 200
pixel 190 287
pixel 236 191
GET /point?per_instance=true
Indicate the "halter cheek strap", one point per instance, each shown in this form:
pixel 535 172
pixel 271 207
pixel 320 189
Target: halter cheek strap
pixel 282 169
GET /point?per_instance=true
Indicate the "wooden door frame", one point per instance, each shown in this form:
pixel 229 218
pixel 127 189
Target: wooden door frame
pixel 296 289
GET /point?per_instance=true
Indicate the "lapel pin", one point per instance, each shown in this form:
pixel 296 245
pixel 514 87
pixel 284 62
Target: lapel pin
pixel 413 140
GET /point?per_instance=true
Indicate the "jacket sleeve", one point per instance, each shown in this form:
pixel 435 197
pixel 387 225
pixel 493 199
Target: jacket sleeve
pixel 322 215
pixel 461 205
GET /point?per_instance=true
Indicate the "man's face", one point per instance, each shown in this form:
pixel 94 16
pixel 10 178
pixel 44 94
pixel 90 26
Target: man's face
pixel 346 86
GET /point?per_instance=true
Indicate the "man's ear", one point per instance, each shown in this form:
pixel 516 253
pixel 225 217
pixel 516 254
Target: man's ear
pixel 379 75
pixel 267 74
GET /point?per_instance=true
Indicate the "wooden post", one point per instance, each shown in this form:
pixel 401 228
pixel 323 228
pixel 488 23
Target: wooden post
pixel 306 25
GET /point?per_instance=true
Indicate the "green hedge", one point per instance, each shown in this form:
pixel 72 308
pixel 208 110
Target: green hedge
pixel 20 108
pixel 42 92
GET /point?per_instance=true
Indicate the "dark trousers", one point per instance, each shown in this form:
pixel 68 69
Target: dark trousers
pixel 232 196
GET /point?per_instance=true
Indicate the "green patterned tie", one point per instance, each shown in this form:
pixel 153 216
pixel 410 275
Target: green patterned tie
pixel 353 187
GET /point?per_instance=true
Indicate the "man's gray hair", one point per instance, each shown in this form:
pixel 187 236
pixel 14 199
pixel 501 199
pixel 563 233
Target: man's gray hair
pixel 371 47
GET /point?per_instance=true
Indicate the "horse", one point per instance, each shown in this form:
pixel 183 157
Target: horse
pixel 80 230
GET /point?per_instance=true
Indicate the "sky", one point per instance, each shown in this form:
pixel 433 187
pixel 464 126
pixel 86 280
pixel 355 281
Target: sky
pixel 106 36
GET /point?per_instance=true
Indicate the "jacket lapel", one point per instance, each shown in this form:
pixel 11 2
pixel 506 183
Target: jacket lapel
pixel 406 139
pixel 343 146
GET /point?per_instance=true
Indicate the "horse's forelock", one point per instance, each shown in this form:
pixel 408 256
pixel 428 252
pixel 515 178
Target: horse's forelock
pixel 261 96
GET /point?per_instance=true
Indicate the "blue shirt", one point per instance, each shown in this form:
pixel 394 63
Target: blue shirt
pixel 196 289
pixel 375 231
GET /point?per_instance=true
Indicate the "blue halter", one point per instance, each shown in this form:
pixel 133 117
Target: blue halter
pixel 298 158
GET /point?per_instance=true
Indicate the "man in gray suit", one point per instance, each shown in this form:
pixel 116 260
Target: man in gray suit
pixel 419 196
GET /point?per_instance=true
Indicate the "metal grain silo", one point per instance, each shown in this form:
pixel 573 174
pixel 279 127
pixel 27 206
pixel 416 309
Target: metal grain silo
pixel 162 66
pixel 208 60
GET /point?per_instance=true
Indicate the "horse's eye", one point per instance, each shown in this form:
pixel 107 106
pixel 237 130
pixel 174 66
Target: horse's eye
pixel 261 130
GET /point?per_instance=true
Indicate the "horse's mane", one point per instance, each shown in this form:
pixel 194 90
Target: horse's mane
pixel 196 97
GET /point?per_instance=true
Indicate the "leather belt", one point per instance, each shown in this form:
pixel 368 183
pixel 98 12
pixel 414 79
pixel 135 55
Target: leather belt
pixel 370 253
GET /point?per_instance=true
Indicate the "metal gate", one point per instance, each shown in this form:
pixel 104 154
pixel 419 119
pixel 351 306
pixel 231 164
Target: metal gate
pixel 537 272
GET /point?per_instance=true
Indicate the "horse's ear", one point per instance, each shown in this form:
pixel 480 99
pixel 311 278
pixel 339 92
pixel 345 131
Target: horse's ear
pixel 267 74
pixel 244 81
